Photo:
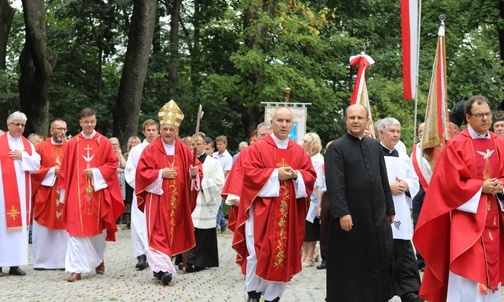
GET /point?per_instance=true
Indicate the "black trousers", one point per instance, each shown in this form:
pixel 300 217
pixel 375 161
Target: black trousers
pixel 405 276
pixel 325 218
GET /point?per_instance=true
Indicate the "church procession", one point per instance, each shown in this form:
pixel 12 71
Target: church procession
pixel 381 223
pixel 177 216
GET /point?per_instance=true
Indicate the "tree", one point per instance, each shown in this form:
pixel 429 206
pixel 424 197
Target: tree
pixel 174 46
pixel 129 98
pixel 6 18
pixel 36 68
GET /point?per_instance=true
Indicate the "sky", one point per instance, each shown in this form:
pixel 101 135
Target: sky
pixel 17 4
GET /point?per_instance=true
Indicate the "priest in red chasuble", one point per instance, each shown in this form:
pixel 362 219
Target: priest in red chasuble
pixel 459 232
pixel 50 237
pixel 278 178
pixel 18 160
pixel 232 188
pixel 90 191
pixel 164 178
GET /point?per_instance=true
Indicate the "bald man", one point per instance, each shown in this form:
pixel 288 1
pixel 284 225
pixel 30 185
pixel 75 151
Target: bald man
pixel 278 178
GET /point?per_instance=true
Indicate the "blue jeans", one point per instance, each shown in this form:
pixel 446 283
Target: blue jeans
pixel 221 220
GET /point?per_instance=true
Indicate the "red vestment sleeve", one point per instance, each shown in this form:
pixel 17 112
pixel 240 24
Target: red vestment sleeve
pixel 445 237
pixel 258 165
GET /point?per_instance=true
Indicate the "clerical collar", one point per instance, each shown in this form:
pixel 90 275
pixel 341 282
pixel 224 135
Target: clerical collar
pixel 169 149
pixel 56 143
pixel 281 143
pixel 477 135
pixel 202 157
pixel 387 152
pixel 360 138
pixel 89 136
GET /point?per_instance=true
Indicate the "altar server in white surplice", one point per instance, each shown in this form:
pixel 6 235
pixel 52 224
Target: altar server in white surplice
pixel 138 224
pixel 404 186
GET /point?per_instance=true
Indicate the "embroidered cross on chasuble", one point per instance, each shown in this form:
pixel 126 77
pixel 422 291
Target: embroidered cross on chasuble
pixel 11 196
pixel 487 166
pixel 171 189
pixel 281 219
pixel 90 202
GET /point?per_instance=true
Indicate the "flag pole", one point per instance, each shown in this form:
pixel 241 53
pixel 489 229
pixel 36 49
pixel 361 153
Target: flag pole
pixel 419 19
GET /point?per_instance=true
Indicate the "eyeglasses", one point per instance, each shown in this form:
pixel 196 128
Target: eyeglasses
pixel 18 124
pixel 482 115
pixel 60 129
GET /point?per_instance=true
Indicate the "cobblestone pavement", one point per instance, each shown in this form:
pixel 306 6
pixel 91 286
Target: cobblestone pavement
pixel 121 282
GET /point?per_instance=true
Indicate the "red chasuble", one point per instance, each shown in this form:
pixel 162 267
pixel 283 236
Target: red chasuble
pixel 170 229
pixel 470 245
pixel 233 185
pixel 279 222
pixel 11 193
pixel 87 213
pixel 47 210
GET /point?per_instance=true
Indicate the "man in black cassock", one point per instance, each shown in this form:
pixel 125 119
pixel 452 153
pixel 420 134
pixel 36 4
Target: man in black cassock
pixel 360 236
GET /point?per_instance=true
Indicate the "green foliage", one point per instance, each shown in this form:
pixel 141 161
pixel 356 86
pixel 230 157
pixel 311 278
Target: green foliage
pixel 251 50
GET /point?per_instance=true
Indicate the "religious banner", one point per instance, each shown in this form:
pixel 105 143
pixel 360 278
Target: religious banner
pixel 436 131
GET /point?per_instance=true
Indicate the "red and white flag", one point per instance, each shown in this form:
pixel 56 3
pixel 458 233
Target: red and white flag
pixel 436 131
pixel 409 29
pixel 360 93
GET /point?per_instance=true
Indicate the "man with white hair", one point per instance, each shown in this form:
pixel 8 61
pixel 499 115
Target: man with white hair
pixel 18 160
pixel 241 146
pixel 167 184
pixel 403 185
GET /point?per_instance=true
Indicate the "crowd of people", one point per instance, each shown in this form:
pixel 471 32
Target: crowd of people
pixel 365 202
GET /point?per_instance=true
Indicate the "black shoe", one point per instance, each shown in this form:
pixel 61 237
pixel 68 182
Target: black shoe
pixel 274 300
pixel 411 297
pixel 1 273
pixel 142 262
pixel 166 278
pixel 16 271
pixel 158 275
pixel 253 296
pixel 322 265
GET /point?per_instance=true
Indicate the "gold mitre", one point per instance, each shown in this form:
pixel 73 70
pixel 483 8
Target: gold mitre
pixel 170 114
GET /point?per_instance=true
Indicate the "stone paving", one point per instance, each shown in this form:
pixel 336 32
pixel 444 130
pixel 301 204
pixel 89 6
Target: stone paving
pixel 121 282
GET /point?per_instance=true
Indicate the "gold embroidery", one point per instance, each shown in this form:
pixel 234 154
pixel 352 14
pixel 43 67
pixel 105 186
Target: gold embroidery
pixel 173 206
pixel 281 235
pixel 173 186
pixel 88 208
pixel 282 163
pixel 490 235
pixel 13 213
